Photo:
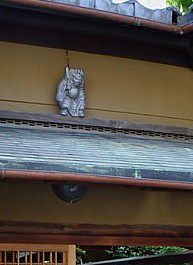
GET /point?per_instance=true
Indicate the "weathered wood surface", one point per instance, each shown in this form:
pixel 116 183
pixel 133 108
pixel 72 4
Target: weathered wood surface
pixel 90 234
pixel 127 125
pixel 95 240
pixel 32 247
pixel 139 230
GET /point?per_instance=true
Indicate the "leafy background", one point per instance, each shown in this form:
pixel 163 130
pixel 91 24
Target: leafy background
pixel 182 5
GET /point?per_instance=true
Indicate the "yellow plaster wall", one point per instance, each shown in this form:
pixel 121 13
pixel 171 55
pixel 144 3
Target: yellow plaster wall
pixel 102 205
pixel 116 88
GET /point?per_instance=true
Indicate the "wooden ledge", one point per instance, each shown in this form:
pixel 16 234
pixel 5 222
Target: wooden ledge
pixel 112 124
pixel 95 234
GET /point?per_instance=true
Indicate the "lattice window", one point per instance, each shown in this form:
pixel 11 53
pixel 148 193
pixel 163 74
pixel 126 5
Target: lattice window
pixel 33 254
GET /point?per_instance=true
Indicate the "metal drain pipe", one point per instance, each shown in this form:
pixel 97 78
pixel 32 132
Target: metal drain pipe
pixel 94 179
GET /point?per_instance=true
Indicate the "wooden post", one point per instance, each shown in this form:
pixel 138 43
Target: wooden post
pixel 18 257
pixel 31 257
pixel 43 258
pixel 51 258
pixel 56 258
pixel 5 257
pixel 72 255
pixel 64 261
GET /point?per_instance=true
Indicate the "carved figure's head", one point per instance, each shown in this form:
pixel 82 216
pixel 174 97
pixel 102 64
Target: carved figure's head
pixel 75 76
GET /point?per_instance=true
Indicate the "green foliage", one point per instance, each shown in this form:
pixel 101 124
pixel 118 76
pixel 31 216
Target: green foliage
pixel 130 251
pixel 80 256
pixel 182 5
pixel 80 252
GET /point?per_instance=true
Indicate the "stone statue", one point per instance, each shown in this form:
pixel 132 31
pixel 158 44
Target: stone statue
pixel 70 93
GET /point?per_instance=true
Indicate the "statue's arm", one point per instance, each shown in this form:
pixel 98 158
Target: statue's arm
pixel 61 91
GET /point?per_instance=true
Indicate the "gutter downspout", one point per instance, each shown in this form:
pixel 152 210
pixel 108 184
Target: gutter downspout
pixel 95 179
pixel 51 7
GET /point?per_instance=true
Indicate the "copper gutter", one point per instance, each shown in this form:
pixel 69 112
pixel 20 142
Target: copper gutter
pixel 83 178
pixel 94 14
pixel 187 28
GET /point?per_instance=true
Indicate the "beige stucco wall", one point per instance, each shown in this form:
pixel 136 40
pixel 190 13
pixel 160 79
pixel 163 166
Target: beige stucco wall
pixel 102 205
pixel 116 88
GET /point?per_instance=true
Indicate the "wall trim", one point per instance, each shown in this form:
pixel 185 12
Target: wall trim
pixel 95 234
pixel 57 121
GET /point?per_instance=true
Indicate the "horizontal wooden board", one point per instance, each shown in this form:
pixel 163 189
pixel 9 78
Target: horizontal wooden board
pixel 114 124
pixel 32 247
pixel 90 234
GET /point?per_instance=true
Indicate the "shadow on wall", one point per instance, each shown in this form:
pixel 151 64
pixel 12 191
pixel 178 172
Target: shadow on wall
pixel 36 202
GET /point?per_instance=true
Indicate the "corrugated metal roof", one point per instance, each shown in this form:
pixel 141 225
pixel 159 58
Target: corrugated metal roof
pixel 95 153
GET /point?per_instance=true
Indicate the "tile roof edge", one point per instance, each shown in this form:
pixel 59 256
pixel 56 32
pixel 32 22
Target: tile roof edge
pixel 97 14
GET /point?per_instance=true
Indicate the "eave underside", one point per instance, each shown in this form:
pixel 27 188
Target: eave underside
pixel 82 33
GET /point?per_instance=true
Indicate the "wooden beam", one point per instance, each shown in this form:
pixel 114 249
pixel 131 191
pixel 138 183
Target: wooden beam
pixel 93 234
pixel 112 124
pixel 32 247
pixel 71 259
pixel 139 230
pixel 95 240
